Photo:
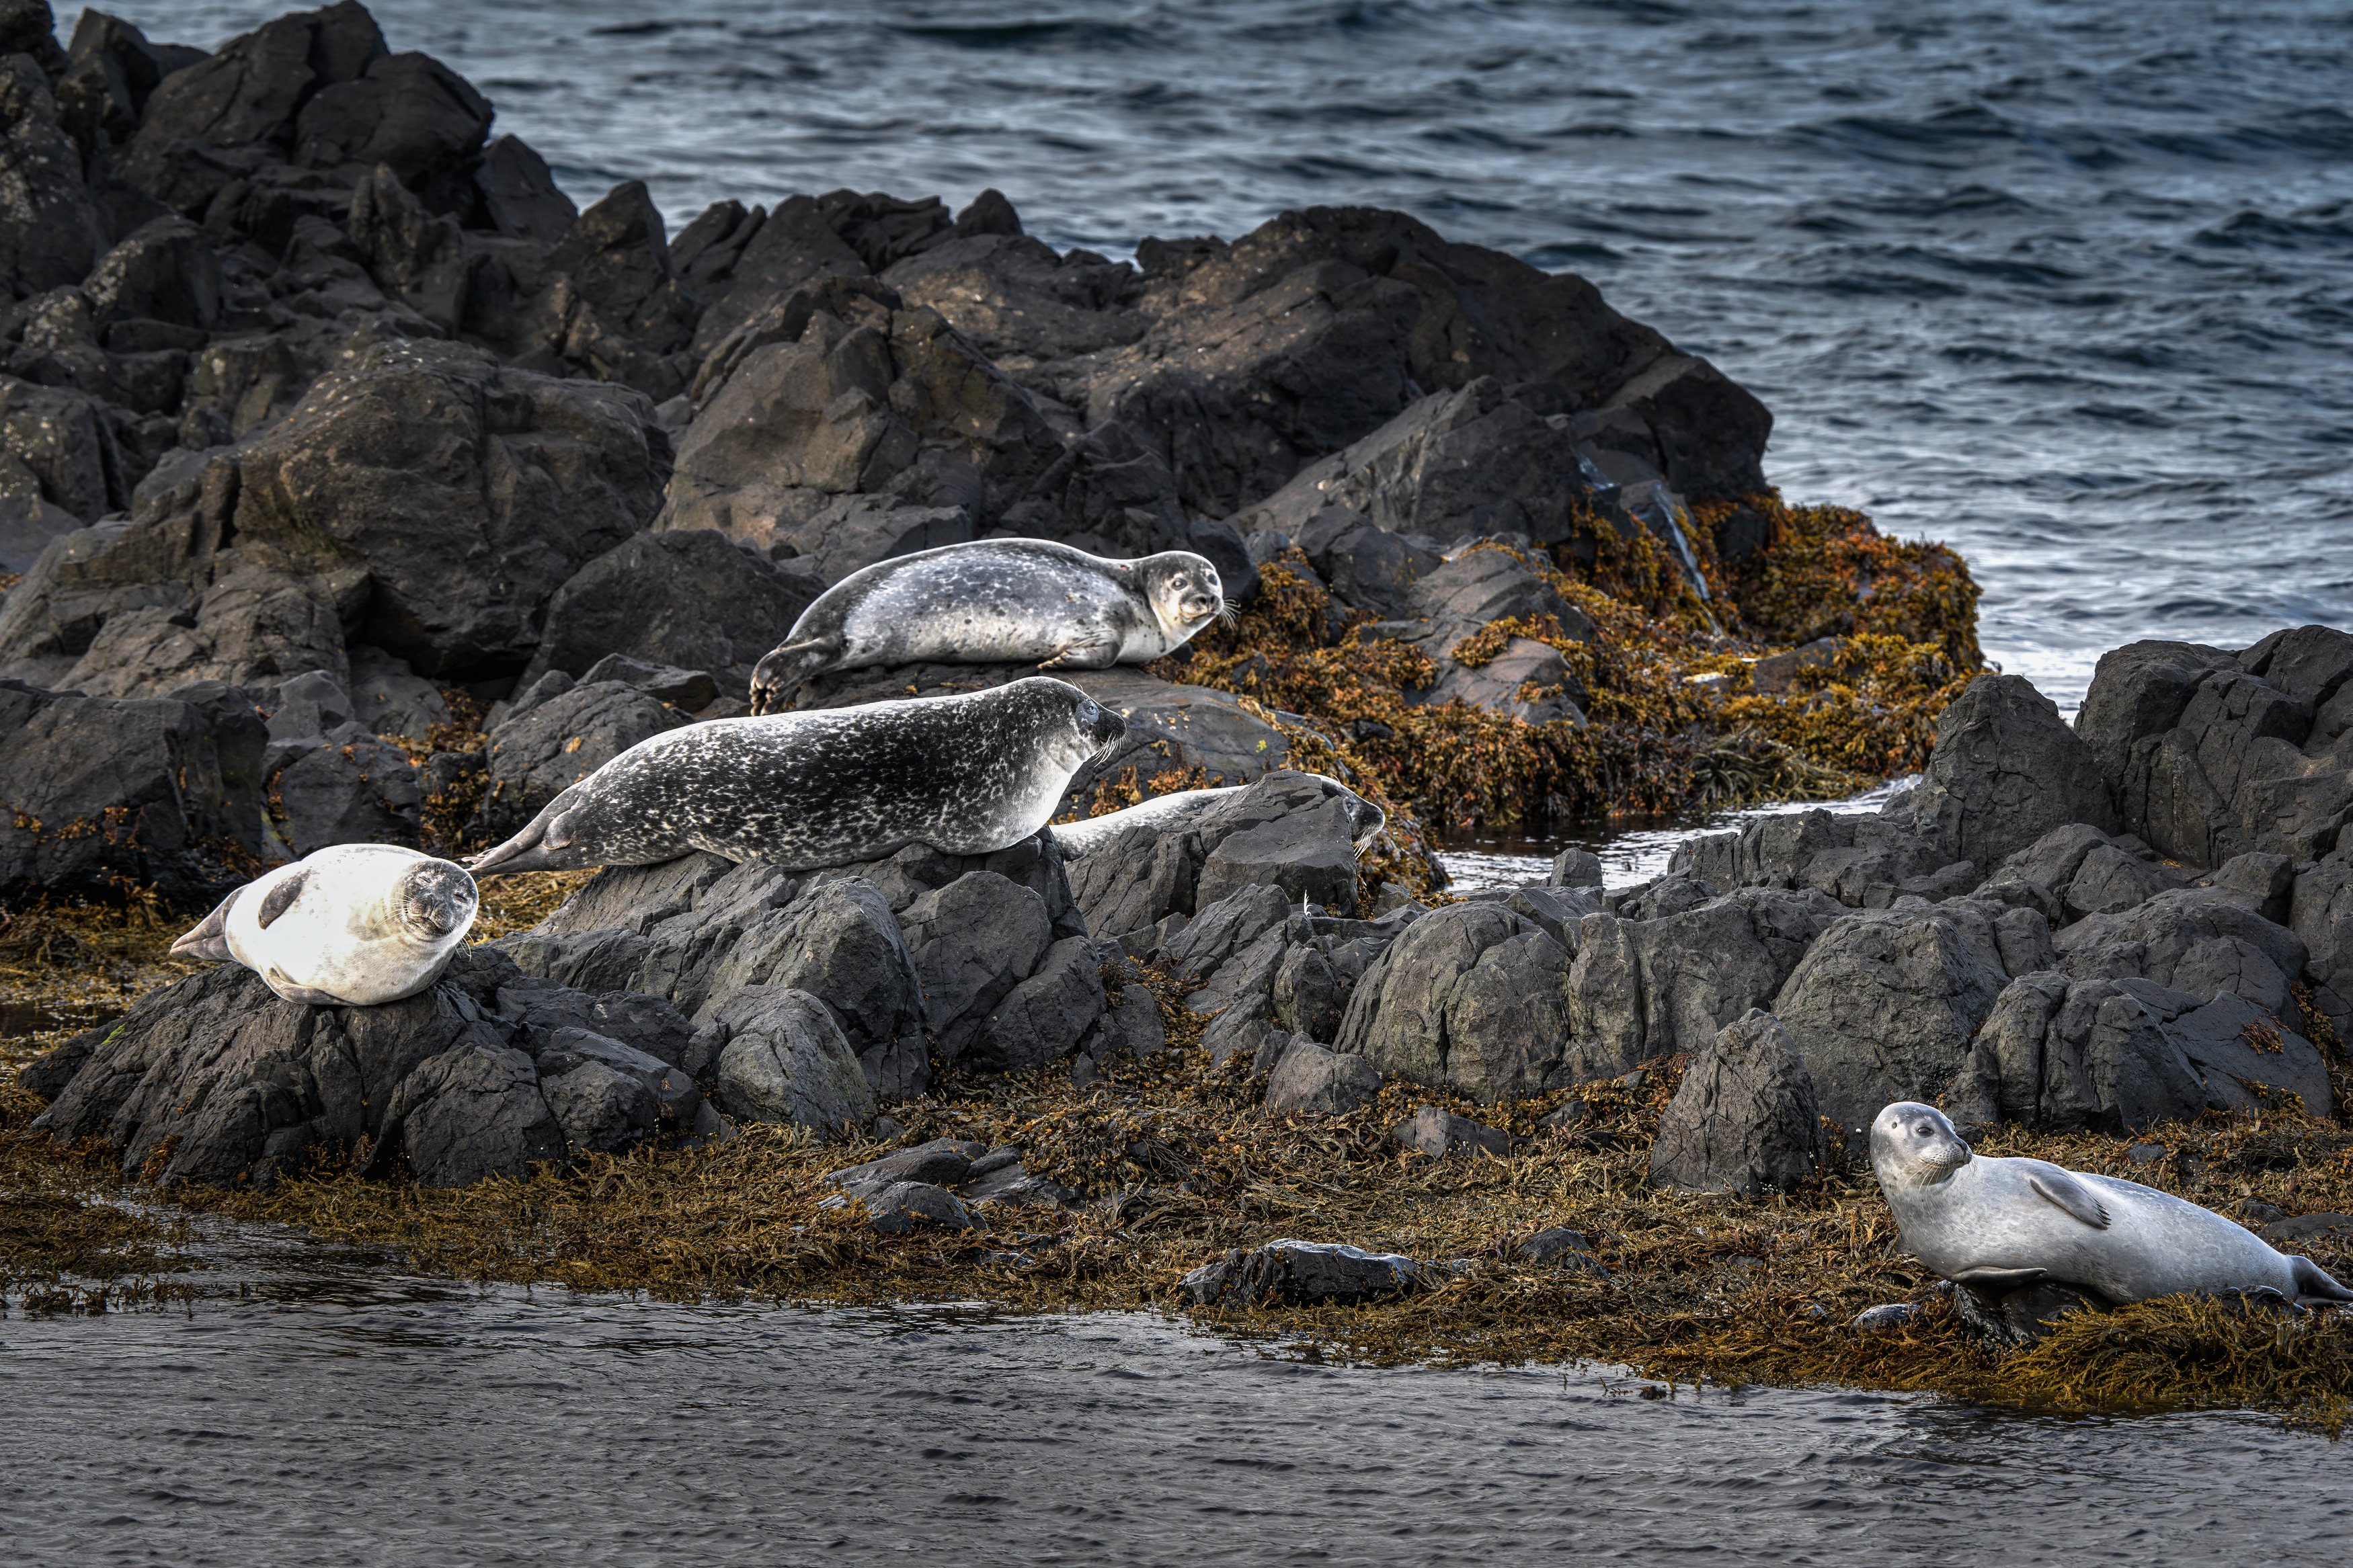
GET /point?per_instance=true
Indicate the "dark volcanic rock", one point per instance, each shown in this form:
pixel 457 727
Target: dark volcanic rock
pixel 1469 996
pixel 687 597
pixel 158 791
pixel 782 1058
pixel 1309 1078
pixel 537 754
pixel 1744 1120
pixel 1432 1131
pixel 1301 1273
pixel 2006 770
pixel 50 229
pixel 214 1081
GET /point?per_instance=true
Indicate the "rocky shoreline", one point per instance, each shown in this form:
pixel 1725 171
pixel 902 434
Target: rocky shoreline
pixel 364 490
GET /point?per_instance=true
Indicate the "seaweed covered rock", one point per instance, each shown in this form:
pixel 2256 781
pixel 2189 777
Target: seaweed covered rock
pixel 1743 1120
pixel 214 1081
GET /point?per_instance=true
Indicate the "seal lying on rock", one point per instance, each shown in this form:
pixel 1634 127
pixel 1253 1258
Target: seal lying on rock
pixel 968 774
pixel 353 925
pixel 1180 809
pixel 2001 1225
pixel 996 601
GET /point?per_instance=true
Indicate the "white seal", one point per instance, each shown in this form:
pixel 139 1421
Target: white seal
pixel 969 774
pixel 353 925
pixel 996 601
pixel 2002 1223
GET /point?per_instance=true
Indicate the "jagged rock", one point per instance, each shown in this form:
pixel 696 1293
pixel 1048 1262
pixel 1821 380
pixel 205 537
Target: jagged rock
pixel 1577 869
pixel 538 753
pixel 2006 770
pixel 1368 567
pixel 214 1081
pixel 1884 1007
pixel 341 786
pixel 1021 303
pixel 1863 862
pixel 1744 1119
pixel 782 1058
pixel 1225 930
pixel 1435 1131
pixel 392 700
pixel 252 625
pixel 1132 1021
pixel 2115 1055
pixel 1300 1273
pixel 973 942
pixel 686 689
pixel 2139 690
pixel 157 792
pixel 1645 988
pixel 516 195
pixel 51 231
pixel 2199 939
pixel 1308 992
pixel 1043 1018
pixel 1469 996
pixel 58 468
pixel 2321 914
pixel 684 599
pixel 940 1163
pixel 1307 1077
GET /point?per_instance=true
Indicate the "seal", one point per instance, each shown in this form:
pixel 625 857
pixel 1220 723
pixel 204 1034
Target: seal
pixel 996 601
pixel 968 774
pixel 2001 1225
pixel 1180 809
pixel 353 925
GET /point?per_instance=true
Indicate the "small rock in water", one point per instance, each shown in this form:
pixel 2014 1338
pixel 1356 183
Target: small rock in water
pixel 1298 1272
pixel 1883 1316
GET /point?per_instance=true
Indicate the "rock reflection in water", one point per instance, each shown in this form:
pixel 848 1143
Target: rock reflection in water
pixel 346 1416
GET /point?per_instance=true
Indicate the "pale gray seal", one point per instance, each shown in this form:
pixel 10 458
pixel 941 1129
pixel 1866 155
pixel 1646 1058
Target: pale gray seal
pixel 2002 1223
pixel 351 925
pixel 996 601
pixel 969 774
pixel 1180 809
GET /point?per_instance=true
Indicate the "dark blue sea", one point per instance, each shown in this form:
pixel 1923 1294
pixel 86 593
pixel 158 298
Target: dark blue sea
pixel 2069 286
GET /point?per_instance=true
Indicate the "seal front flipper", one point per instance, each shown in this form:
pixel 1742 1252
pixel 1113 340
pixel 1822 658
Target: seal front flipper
pixel 785 666
pixel 2054 1185
pixel 310 996
pixel 1098 650
pixel 280 899
pixel 209 939
pixel 2000 1281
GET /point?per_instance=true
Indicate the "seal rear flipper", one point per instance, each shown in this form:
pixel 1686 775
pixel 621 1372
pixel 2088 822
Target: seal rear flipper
pixel 2313 1282
pixel 785 666
pixel 2000 1280
pixel 2060 1188
pixel 209 939
pixel 540 845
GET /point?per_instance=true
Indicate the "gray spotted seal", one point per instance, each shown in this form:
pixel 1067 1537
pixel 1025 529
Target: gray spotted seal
pixel 1180 809
pixel 996 601
pixel 353 925
pixel 968 774
pixel 2002 1223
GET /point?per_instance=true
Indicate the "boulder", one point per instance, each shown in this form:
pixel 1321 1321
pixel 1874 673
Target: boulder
pixel 390 699
pixel 2321 914
pixel 1309 1079
pixel 782 1058
pixel 1366 567
pixel 1300 1273
pixel 537 753
pixel 2006 770
pixel 212 1079
pixel 2115 1055
pixel 252 625
pixel 1885 1008
pixel 1576 869
pixel 1743 1120
pixel 1043 1018
pixel 1020 302
pixel 1435 1131
pixel 973 942
pixel 2199 939
pixel 2139 690
pixel 903 1206
pixel 687 597
pixel 51 231
pixel 1469 997
pixel 163 794
pixel 58 468
pixel 515 193
pixel 1309 993
pixel 1863 862
pixel 1308 851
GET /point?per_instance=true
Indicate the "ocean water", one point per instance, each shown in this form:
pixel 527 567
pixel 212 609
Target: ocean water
pixel 2066 285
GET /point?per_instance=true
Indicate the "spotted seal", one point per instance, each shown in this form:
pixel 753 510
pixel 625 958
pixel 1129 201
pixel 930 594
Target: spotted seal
pixel 996 601
pixel 968 774
pixel 351 925
pixel 2001 1224
pixel 1180 809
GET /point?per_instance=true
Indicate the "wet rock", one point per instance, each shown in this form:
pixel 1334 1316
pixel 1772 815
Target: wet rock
pixel 1469 996
pixel 1885 1318
pixel 538 753
pixel 2025 1316
pixel 1884 1007
pixel 52 231
pixel 2006 770
pixel 785 1059
pixel 690 597
pixel 1300 1273
pixel 1436 1131
pixel 156 792
pixel 1044 1017
pixel 1312 1080
pixel 1744 1119
pixel 942 1162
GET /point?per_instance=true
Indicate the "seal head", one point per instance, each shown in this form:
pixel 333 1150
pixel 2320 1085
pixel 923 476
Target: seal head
pixel 1183 591
pixel 1914 1146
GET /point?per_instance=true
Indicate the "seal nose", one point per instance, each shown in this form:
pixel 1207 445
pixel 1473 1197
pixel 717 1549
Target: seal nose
pixel 1100 725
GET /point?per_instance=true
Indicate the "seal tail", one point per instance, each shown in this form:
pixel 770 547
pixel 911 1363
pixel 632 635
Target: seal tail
pixel 2313 1282
pixel 784 668
pixel 209 939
